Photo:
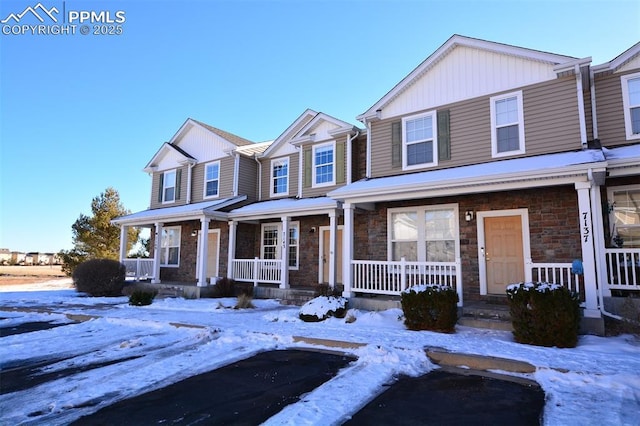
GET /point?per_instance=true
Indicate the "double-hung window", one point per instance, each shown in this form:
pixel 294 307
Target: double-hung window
pixel 170 246
pixel 212 179
pixel 424 234
pixel 507 124
pixel 625 215
pixel 324 171
pixel 631 103
pixel 280 177
pixel 169 187
pixel 419 143
pixel 271 244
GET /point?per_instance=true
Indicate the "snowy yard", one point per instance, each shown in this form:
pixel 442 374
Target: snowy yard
pixel 596 383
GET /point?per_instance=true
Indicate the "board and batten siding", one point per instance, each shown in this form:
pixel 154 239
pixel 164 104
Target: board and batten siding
pixel 155 190
pixel 610 110
pixel 294 167
pixel 551 125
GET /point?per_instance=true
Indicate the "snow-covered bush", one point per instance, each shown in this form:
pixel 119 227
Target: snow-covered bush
pixel 323 307
pixel 430 307
pixel 544 314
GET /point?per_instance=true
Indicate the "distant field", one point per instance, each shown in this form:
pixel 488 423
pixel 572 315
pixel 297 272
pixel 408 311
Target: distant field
pixel 29 274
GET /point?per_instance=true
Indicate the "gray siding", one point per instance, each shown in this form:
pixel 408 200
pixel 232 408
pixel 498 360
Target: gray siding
pixel 551 125
pixel 225 188
pixel 610 110
pixel 248 178
pixel 227 171
pixel 155 188
pixel 294 167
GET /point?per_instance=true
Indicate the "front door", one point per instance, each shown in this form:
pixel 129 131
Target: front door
pixel 504 256
pixel 213 248
pixel 326 257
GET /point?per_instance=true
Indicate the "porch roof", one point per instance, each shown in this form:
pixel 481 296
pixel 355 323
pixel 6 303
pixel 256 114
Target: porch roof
pixel 209 209
pixel 518 173
pixel 623 161
pixel 285 207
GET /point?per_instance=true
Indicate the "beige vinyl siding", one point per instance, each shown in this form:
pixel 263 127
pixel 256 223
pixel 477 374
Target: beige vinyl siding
pixel 248 178
pixel 227 171
pixel 197 183
pixel 551 125
pixel 294 167
pixel 155 188
pixel 322 191
pixel 610 110
pixel 225 186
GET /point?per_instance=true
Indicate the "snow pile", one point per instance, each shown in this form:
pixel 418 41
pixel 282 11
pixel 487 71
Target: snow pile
pixel 323 307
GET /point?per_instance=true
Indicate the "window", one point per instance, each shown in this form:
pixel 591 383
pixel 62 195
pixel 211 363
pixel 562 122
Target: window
pixel 424 234
pixel 211 179
pixel 271 247
pixel 169 187
pixel 419 141
pixel 625 216
pixel 170 246
pixel 280 177
pixel 323 165
pixel 507 125
pixel 631 102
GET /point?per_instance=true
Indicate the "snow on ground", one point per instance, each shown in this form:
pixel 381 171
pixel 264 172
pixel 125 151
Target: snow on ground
pixel 596 383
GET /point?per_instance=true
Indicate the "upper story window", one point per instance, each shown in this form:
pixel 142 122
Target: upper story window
pixel 170 246
pixel 631 103
pixel 169 186
pixel 324 171
pixel 625 216
pixel 280 177
pixel 419 145
pixel 424 234
pixel 507 125
pixel 211 179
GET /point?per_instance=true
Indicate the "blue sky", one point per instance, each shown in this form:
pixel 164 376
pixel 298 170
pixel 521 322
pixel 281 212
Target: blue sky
pixel 80 113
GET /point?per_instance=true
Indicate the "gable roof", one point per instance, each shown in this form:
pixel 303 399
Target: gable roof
pixel 453 42
pixel 341 127
pixel 234 139
pixel 619 60
pixel 168 147
pixel 302 119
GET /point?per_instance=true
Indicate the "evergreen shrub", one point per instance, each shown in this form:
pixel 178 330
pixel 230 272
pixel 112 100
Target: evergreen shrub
pixel 225 287
pixel 142 297
pixel 544 314
pixel 430 307
pixel 100 277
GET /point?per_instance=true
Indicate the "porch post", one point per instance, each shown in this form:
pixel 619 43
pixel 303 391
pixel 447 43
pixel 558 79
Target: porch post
pixel 347 249
pixel 232 247
pixel 598 229
pixel 588 252
pixel 204 251
pixel 157 249
pixel 333 229
pixel 284 272
pixel 123 242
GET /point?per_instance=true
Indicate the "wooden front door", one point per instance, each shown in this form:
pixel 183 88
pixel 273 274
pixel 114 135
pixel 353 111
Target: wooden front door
pixel 212 255
pixel 326 258
pixel 504 253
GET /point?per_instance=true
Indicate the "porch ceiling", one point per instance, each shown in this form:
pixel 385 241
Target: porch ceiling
pixel 285 207
pixel 518 173
pixel 177 213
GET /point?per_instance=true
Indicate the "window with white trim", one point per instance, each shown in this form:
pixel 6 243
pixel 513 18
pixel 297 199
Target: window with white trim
pixel 280 177
pixel 271 242
pixel 624 202
pixel 169 186
pixel 324 171
pixel 631 103
pixel 507 124
pixel 211 179
pixel 424 234
pixel 419 143
pixel 170 246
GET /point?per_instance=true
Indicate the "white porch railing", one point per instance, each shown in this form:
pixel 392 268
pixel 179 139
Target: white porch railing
pixel 393 277
pixel 623 268
pixel 139 268
pixel 556 273
pixel 257 270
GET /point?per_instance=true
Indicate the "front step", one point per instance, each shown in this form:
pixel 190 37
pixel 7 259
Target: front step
pixel 494 317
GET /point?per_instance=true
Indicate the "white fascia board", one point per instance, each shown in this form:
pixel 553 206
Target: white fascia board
pixel 494 183
pixel 149 168
pixel 344 130
pixel 279 208
pixel 571 65
pixel 619 60
pixel 286 134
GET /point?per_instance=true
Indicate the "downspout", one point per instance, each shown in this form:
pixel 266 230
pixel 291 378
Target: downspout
pixel 255 157
pixel 596 206
pixel 189 174
pixel 368 172
pixel 581 113
pixel 594 117
pixel 236 174
pixel 300 170
pixel 349 156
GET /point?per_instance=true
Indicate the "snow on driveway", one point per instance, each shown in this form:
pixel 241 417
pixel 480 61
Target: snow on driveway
pixel 596 383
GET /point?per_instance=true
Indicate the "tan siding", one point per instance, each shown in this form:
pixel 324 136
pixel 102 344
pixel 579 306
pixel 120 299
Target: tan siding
pixel 294 171
pixel 293 175
pixel 264 178
pixel 248 178
pixel 155 183
pixel 227 166
pixel 610 110
pixel 322 191
pixel 197 183
pixel 551 125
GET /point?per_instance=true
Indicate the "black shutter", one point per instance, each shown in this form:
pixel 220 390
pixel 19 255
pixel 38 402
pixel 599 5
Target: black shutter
pixel 444 139
pixel 160 187
pixel 396 144
pixel 178 183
